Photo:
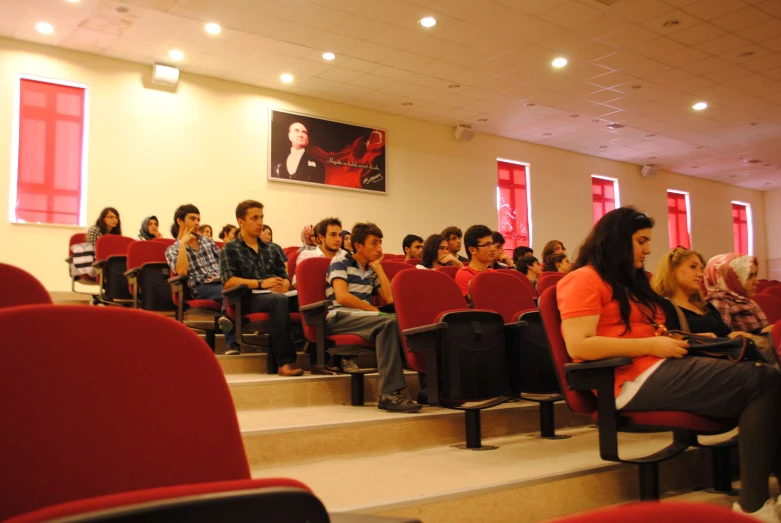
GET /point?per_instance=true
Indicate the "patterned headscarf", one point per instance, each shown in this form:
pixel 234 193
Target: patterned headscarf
pixel 143 233
pixel 729 273
pixel 306 236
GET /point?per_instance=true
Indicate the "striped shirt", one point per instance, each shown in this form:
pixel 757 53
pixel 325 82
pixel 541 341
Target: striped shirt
pixel 203 264
pixel 361 283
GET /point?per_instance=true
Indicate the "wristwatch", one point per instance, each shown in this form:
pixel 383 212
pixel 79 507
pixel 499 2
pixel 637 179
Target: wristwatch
pixel 260 284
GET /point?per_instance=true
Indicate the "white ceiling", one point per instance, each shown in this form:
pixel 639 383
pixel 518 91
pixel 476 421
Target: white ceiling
pixel 487 64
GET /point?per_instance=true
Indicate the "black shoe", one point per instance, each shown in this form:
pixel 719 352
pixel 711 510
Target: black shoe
pixel 233 351
pixel 398 403
pixel 225 324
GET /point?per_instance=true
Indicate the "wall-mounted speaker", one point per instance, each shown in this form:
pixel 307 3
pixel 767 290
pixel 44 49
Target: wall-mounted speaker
pixel 464 133
pixel 649 171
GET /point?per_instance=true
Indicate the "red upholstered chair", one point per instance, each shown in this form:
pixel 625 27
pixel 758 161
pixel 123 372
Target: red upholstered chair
pixel 167 241
pixel 669 512
pixel 413 261
pixel 548 279
pixel 110 266
pixel 19 287
pixel 532 374
pixel 774 291
pixel 580 380
pixel 770 305
pixel 219 244
pixel 121 429
pixel 290 250
pixel 310 278
pixel 76 262
pixel 392 268
pixel 525 281
pixel 431 312
pixel 186 306
pixel 775 335
pixel 449 270
pixel 292 260
pixel 765 284
pixel 148 275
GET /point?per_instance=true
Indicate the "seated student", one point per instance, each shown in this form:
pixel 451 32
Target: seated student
pixel 107 223
pixel 346 245
pixel 149 229
pixel 252 262
pixel 198 257
pixel 228 233
pixel 521 251
pixel 352 280
pixel 436 254
pixel 501 261
pixel 329 239
pixel 412 245
pixel 206 230
pixel 453 236
pixel 557 263
pixel 308 239
pixel 608 309
pixel 529 266
pixel 268 236
pixel 479 242
pixel 731 280
pixel 551 248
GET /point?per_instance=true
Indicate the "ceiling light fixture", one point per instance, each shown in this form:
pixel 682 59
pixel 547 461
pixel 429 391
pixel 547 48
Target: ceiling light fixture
pixel 45 28
pixel 671 23
pixel 328 56
pixel 482 119
pixel 453 86
pixel 286 78
pixel 428 21
pixel 699 106
pixel 529 105
pixel 122 9
pixel 559 62
pixel 637 87
pixel 746 54
pixel 212 28
pixel 176 54
pixel 165 75
pixel 615 126
pixel 73 1
pixel 407 103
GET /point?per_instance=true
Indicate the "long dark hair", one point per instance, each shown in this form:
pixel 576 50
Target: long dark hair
pixel 100 224
pixel 610 251
pixel 430 252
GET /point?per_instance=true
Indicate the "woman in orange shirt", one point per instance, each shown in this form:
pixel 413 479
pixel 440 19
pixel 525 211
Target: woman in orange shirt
pixel 609 310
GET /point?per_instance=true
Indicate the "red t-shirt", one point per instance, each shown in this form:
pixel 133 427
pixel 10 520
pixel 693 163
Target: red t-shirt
pixel 464 276
pixel 584 293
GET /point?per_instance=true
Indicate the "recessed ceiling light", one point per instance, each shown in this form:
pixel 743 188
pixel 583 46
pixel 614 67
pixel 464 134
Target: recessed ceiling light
pixel 637 87
pixel 746 54
pixel 529 105
pixel 286 77
pixel 212 28
pixel 753 161
pixel 482 119
pixel 328 55
pixel 428 21
pixel 547 134
pixel 73 1
pixel 407 103
pixel 45 28
pixel 615 126
pixel 671 23
pixel 175 54
pixel 559 62
pixel 699 106
pixel 453 86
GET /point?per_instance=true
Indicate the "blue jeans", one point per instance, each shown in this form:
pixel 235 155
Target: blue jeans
pixel 213 291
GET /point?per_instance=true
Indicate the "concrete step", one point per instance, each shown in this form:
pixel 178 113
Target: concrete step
pixel 316 434
pixel 524 480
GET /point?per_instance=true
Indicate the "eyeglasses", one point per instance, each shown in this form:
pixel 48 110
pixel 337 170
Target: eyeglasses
pixel 481 245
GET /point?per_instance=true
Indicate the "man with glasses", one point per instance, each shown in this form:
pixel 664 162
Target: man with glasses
pixel 480 249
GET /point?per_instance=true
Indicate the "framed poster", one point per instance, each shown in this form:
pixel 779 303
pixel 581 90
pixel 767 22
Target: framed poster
pixel 314 151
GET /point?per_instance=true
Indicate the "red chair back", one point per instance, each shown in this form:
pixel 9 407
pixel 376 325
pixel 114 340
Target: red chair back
pixel 310 280
pixel 112 245
pixel 548 279
pixel 289 250
pixel 500 292
pixel 139 253
pixel 775 335
pixel 118 423
pixel 79 237
pixel 413 261
pixel 765 284
pixel 420 297
pixel 770 305
pixel 19 287
pixel 774 291
pixel 219 244
pixel 580 402
pixel 167 241
pixel 291 265
pixel 524 280
pixel 392 268
pixel 449 270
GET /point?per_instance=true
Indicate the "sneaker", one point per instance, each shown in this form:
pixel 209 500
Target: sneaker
pixel 767 513
pixel 232 351
pixel 225 324
pixel 287 370
pixel 397 403
pixel 350 365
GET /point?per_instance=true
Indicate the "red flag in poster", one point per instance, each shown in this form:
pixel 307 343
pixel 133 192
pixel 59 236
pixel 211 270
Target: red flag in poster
pixel 353 165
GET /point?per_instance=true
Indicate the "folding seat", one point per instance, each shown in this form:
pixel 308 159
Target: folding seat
pixel 462 351
pixel 450 271
pixel 532 373
pixel 185 303
pixel 81 255
pixel 110 266
pixel 770 305
pixel 148 275
pixel 148 465
pixel 313 307
pixel 580 380
pixel 525 281
pixel 19 287
pixel 548 279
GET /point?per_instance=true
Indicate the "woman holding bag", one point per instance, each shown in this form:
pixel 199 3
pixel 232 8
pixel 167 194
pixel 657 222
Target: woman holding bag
pixel 608 309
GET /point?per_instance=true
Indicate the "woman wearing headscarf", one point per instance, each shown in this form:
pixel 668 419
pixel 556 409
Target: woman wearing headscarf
pixel 731 280
pixel 149 229
pixel 308 239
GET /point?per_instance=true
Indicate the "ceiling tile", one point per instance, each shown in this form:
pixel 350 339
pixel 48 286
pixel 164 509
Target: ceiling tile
pixel 682 57
pixel 646 68
pixel 711 9
pixel 772 7
pixel 742 19
pixel 630 36
pixel 764 31
pixel 698 34
pixel 721 45
pixel 658 47
pixel 532 7
pixel 639 12
pixel 570 14
pixel 707 65
pixel 594 50
pixel 620 60
pixel 398 38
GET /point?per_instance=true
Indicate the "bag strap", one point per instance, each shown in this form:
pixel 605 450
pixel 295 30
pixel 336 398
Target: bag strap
pixel 682 321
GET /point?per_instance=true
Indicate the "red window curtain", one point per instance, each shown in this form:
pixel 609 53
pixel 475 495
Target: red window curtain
pixel 740 227
pixel 603 194
pixel 678 220
pixel 51 131
pixel 513 206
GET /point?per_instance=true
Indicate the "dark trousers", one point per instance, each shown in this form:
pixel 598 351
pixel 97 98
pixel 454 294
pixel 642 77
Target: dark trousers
pixel 278 308
pixel 213 291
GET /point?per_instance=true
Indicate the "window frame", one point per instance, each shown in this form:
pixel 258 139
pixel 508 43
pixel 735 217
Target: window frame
pixel 15 133
pixel 749 226
pixel 616 191
pixel 527 170
pixel 688 218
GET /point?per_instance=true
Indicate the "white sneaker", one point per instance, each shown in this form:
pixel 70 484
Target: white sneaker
pixel 767 513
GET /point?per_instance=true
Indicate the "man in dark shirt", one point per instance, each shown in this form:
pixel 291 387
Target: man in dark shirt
pixel 250 261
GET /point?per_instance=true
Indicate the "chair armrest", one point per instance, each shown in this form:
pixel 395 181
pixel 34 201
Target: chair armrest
pixel 179 278
pixel 516 325
pixel 598 364
pixel 132 273
pixel 424 329
pixel 317 306
pixel 423 338
pixel 594 375
pixel 98 263
pixel 236 293
pixel 69 259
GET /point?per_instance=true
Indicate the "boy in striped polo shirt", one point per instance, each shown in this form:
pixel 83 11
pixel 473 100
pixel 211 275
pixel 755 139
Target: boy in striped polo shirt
pixel 352 280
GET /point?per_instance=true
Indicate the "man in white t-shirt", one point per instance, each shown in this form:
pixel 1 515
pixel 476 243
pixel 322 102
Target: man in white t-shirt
pixel 329 241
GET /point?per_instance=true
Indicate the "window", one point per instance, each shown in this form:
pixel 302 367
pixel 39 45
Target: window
pixel 604 195
pixel 742 229
pixel 512 202
pixel 678 219
pixel 49 144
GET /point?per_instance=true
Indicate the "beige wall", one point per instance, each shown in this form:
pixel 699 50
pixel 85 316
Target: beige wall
pixel 773 221
pixel 150 151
